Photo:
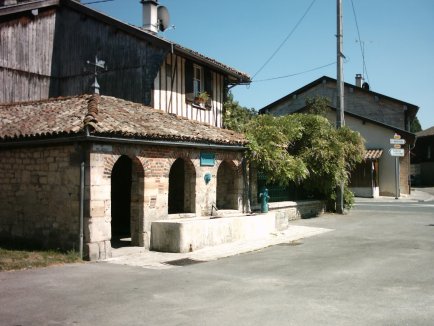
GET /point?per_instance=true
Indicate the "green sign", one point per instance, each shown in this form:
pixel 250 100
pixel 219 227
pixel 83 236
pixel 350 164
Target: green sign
pixel 207 159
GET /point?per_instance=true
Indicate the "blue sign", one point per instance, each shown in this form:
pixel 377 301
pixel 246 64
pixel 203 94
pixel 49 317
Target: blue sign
pixel 207 159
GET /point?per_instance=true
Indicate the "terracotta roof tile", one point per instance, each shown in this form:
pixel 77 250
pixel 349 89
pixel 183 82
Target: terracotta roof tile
pixel 373 154
pixel 107 116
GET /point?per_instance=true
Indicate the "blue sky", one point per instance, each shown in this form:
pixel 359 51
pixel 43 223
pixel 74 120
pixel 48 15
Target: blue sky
pixel 398 39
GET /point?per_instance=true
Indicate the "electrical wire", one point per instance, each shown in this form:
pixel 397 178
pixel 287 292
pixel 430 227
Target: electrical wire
pixel 284 41
pixel 294 74
pixel 362 50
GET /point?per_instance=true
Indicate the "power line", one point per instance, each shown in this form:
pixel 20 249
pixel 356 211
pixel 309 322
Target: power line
pixel 362 49
pixel 295 74
pixel 284 41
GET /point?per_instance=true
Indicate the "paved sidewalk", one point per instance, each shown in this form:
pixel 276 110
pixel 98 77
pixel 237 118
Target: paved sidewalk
pixel 415 196
pixel 136 256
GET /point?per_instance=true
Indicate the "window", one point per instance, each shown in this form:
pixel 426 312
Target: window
pixel 428 152
pixel 197 80
pixel 198 85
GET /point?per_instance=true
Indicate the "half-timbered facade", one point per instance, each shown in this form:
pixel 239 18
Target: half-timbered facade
pixel 180 82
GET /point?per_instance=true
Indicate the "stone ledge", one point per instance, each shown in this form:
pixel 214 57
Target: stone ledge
pixel 287 204
pixel 186 235
pixel 190 234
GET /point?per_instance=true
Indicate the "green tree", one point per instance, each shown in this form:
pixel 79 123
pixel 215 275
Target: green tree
pixel 415 125
pixel 317 105
pixel 307 149
pixel 235 116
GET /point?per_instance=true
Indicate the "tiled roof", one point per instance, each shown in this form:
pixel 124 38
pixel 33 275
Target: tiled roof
pixel 107 116
pixel 243 77
pixel 373 154
pixel 426 132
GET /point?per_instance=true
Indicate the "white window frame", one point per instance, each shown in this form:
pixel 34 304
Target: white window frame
pixel 198 79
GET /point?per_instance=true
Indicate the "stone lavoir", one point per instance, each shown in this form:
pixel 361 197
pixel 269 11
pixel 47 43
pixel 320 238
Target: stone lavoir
pixel 141 165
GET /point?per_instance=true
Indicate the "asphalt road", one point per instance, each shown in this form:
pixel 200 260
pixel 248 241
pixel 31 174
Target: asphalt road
pixel 375 268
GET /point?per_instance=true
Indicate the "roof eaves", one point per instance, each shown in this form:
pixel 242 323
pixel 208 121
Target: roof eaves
pixel 316 82
pixel 425 133
pixel 240 77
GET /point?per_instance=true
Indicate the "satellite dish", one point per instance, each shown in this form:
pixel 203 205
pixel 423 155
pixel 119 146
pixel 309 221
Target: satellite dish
pixel 163 18
pixel 365 86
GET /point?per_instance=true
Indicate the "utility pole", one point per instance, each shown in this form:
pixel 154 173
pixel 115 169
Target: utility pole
pixel 340 121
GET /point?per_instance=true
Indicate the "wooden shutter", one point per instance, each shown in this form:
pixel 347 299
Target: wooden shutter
pixel 208 82
pixel 189 81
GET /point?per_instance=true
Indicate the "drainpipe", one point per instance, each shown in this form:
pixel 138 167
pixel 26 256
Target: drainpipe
pixel 82 184
pixel 246 190
pixel 372 179
pixel 82 165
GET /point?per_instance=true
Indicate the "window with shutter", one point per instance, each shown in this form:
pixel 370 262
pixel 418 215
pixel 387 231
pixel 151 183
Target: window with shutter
pixel 197 80
pixel 198 85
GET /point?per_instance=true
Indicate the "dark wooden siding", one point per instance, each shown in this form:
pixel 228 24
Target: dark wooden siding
pixel 46 56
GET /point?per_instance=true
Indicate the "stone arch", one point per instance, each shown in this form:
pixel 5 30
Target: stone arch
pixel 182 187
pixel 228 185
pixel 127 193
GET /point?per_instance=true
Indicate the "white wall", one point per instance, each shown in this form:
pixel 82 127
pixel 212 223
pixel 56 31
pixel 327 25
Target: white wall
pixel 169 94
pixel 376 137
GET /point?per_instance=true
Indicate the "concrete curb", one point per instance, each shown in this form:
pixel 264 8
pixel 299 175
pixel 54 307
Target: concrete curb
pixel 159 260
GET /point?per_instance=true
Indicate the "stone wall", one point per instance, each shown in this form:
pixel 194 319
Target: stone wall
pixel 404 175
pixel 39 195
pixel 40 192
pixel 290 211
pixel 152 164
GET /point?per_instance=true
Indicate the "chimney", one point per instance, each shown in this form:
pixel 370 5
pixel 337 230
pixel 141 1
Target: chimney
pixel 359 80
pixel 150 17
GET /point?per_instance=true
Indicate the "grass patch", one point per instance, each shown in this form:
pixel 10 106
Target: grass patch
pixel 14 259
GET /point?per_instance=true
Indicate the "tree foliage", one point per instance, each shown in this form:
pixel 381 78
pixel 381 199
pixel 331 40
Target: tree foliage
pixel 235 116
pixel 301 148
pixel 317 105
pixel 415 125
pixel 306 149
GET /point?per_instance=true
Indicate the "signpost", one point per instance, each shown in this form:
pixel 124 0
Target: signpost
pixel 397 152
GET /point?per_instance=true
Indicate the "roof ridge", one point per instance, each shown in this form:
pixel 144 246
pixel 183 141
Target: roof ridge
pixel 91 117
pixel 41 101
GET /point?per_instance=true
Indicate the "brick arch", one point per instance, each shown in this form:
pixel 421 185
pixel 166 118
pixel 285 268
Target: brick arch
pixel 139 163
pixel 182 185
pixel 235 165
pixel 228 184
pixel 110 161
pixel 136 197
